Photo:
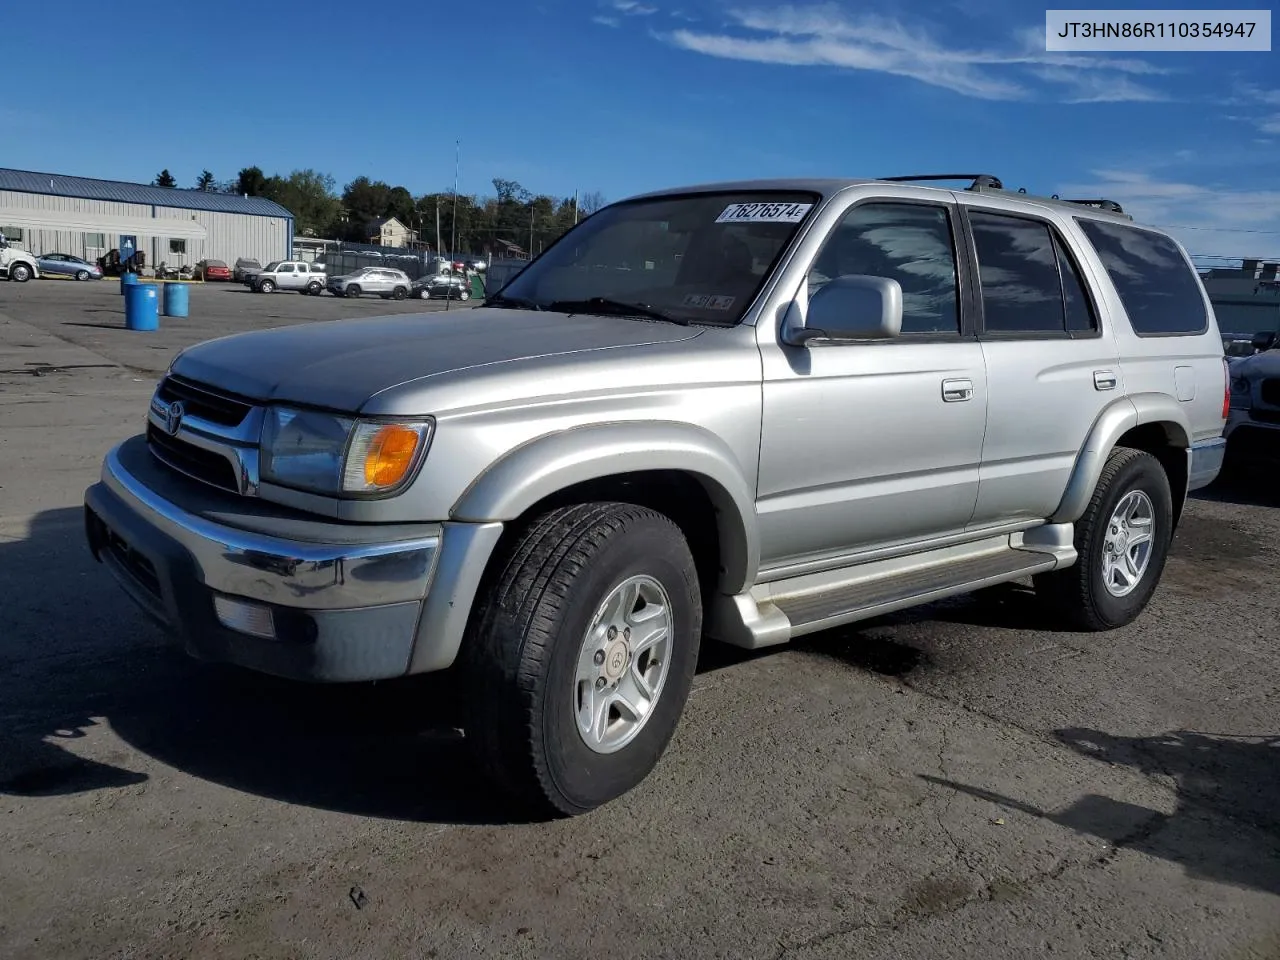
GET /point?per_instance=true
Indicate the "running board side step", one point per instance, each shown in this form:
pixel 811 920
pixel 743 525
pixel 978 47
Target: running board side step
pixel 774 613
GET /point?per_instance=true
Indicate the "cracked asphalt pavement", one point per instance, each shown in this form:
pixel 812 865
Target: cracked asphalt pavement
pixel 966 779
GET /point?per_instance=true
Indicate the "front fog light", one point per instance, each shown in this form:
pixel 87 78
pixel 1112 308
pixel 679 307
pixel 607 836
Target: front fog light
pixel 250 618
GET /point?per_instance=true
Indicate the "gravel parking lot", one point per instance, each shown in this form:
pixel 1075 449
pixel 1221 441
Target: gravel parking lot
pixel 962 780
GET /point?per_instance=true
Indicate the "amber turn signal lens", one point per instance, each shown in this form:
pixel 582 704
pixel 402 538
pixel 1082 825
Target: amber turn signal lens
pixel 390 455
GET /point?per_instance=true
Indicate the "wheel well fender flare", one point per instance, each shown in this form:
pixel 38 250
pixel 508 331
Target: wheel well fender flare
pixel 546 465
pixel 1112 423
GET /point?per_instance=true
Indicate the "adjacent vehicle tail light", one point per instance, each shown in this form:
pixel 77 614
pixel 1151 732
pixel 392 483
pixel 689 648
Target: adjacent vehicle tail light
pixel 1226 389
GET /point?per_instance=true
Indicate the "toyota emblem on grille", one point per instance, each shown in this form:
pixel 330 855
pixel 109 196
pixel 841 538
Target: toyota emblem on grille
pixel 173 417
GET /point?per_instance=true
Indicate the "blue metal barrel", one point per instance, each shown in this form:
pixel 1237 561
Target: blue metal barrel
pixel 142 306
pixel 176 299
pixel 127 280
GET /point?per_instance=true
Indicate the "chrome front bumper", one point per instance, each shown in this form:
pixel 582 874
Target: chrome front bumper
pixel 302 598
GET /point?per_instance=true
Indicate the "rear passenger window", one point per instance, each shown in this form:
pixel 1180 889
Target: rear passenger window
pixel 1018 273
pixel 908 242
pixel 1157 286
pixel 1080 315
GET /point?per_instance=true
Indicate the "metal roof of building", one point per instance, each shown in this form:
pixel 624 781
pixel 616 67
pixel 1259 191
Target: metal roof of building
pixel 85 188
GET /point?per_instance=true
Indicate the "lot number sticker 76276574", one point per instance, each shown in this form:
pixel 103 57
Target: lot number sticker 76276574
pixel 760 212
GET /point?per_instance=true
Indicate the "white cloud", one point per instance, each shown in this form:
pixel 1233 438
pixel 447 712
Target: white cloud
pixel 1210 220
pixel 607 21
pixel 633 8
pixel 827 36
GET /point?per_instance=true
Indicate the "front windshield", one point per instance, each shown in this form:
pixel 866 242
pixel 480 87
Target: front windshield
pixel 696 257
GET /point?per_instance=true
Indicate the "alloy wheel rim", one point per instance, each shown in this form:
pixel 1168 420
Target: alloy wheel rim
pixel 1127 544
pixel 623 664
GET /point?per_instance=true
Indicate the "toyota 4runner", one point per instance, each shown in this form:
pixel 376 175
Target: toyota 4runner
pixel 746 411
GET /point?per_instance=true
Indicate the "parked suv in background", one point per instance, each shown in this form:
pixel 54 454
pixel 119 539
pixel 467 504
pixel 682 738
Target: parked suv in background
pixel 244 268
pixel 750 411
pixel 387 282
pixel 297 275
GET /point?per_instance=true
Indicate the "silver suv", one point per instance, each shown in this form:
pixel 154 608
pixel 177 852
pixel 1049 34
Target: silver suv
pixel 387 282
pixel 745 411
pixel 297 275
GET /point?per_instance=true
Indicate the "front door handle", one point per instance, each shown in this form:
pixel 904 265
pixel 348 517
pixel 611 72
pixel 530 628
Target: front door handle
pixel 955 391
pixel 1104 380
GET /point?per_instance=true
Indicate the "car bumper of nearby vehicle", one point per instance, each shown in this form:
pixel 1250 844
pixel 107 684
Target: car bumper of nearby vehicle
pixel 334 602
pixel 1254 436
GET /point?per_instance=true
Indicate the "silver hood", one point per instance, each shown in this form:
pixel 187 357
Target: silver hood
pixel 341 364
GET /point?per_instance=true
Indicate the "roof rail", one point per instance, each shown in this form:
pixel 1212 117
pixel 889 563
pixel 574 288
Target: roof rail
pixel 979 179
pixel 1109 205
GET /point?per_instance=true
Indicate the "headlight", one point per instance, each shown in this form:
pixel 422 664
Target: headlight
pixel 334 455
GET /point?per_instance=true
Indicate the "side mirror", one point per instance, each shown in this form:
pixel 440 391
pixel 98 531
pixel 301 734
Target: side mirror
pixel 850 308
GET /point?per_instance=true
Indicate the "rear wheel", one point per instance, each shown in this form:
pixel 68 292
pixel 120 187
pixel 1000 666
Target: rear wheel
pixel 399 293
pixel 82 274
pixel 1122 541
pixel 581 655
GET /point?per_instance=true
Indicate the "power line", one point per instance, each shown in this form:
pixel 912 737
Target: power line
pixel 1179 226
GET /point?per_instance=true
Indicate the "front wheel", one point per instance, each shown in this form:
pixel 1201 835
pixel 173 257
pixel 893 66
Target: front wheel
pixel 464 294
pixel 266 286
pixel 581 656
pixel 352 291
pixel 20 272
pixel 424 294
pixel 1122 542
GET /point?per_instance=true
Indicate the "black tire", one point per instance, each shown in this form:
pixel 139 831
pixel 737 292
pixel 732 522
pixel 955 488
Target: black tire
pixel 20 273
pixel 82 275
pixel 1078 594
pixel 399 293
pixel 424 294
pixel 353 290
pixel 464 295
pixel 523 643
pixel 266 286
pixel 314 289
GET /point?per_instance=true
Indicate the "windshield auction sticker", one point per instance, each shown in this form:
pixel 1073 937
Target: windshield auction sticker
pixel 1195 31
pixel 764 212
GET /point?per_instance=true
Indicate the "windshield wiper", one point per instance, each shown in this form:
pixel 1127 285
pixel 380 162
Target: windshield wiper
pixel 606 305
pixel 520 303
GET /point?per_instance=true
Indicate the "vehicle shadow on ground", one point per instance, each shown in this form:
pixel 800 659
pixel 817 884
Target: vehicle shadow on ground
pixel 1243 486
pixel 1226 824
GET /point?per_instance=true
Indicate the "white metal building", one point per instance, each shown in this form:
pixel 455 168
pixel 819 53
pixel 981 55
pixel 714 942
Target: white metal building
pixel 51 213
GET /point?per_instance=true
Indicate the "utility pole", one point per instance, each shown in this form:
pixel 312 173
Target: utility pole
pixel 453 225
pixel 575 208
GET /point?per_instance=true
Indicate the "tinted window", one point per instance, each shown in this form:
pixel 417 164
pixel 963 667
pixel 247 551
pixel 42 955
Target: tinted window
pixel 1247 318
pixel 285 268
pixel 910 243
pixel 1157 286
pixel 1080 316
pixel 1018 273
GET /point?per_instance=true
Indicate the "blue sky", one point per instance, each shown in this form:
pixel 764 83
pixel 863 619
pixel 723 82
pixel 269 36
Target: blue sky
pixel 622 96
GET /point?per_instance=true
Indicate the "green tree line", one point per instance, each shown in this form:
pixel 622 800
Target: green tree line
pixel 484 224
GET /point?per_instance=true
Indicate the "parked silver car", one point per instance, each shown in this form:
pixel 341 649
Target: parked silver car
pixel 296 275
pixel 387 282
pixel 750 411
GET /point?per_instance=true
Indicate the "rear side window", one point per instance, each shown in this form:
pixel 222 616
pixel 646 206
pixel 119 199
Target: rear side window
pixel 1156 285
pixel 1030 285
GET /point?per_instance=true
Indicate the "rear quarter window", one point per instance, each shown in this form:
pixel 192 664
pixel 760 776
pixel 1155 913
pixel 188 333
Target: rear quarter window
pixel 1157 286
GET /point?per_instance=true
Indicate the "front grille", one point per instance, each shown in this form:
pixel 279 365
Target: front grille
pixel 202 402
pixel 205 465
pixel 1271 392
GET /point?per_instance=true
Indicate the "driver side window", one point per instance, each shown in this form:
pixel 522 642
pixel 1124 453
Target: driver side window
pixel 912 243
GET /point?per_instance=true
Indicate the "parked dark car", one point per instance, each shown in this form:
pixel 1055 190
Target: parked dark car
pixel 245 268
pixel 443 286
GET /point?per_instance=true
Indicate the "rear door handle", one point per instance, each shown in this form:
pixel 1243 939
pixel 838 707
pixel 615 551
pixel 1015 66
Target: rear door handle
pixel 955 391
pixel 1104 380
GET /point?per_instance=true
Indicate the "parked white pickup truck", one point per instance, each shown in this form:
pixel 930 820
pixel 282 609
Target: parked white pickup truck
pixel 16 263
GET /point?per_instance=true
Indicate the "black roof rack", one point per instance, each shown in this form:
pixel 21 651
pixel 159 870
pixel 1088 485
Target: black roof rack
pixel 988 183
pixel 979 179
